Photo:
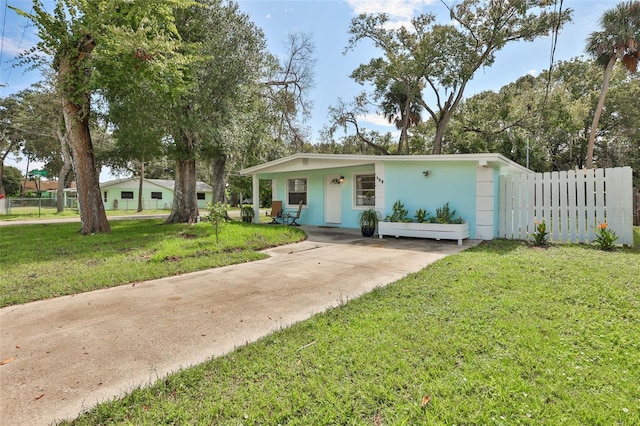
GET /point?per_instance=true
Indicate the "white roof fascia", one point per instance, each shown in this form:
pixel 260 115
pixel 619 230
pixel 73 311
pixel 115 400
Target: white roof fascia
pixel 154 183
pixel 146 184
pixel 296 162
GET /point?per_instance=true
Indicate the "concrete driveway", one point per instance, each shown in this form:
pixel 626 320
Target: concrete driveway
pixel 64 355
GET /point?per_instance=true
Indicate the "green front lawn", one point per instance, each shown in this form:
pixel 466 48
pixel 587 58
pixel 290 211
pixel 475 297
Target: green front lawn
pixel 41 261
pixel 501 334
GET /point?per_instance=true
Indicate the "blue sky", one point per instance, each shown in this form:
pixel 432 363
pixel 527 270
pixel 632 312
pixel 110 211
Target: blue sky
pixel 327 21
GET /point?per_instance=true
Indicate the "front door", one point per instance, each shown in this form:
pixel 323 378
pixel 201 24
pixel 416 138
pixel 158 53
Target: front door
pixel 332 199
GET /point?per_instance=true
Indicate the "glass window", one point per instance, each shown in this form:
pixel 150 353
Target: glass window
pixel 365 190
pixel 297 191
pixel 126 195
pixel 104 196
pixel 156 195
pixel 200 195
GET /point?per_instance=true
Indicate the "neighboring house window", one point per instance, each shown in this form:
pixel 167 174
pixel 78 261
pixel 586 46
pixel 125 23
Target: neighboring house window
pixel 126 195
pixel 200 195
pixel 156 195
pixel 104 196
pixel 296 191
pixel 365 190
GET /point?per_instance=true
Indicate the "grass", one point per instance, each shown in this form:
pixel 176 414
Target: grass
pixel 32 213
pixel 501 334
pixel 41 261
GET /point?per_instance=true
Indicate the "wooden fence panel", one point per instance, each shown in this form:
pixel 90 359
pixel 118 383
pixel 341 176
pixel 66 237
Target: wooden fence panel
pixel 572 209
pixel 571 203
pixel 636 207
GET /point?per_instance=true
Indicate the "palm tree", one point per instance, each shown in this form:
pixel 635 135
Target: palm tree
pixel 619 39
pixel 400 110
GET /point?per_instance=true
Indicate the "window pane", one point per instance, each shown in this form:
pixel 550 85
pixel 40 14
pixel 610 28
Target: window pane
pixel 296 191
pixel 156 195
pixel 200 195
pixel 297 185
pixel 296 197
pixel 126 195
pixel 365 190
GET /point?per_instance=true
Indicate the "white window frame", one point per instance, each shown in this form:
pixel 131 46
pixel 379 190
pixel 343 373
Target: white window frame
pixel 355 190
pixel 306 192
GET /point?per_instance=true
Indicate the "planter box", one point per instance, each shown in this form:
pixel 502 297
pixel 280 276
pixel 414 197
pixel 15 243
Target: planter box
pixel 437 231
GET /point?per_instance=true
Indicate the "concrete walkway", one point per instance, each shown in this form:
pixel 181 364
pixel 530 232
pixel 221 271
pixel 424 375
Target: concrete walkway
pixel 64 355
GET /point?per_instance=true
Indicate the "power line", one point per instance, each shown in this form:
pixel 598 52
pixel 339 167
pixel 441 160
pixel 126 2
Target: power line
pixel 4 26
pixel 554 44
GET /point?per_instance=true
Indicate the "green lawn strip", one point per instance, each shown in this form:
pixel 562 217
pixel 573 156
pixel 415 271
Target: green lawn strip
pixel 500 334
pixel 32 213
pixel 41 261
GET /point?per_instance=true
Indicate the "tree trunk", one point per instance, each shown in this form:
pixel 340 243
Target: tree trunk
pixel 403 145
pixel 2 191
pixel 23 185
pixel 140 186
pixel 219 164
pixel 185 202
pixel 441 125
pixel 64 171
pixel 92 214
pixel 598 112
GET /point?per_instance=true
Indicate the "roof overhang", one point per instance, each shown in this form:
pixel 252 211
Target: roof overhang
pixel 301 162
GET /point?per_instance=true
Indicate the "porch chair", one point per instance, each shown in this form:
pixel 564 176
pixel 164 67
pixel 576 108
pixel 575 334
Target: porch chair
pixel 275 213
pixel 294 216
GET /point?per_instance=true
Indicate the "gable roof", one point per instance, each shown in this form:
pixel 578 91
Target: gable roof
pixel 305 161
pixel 168 184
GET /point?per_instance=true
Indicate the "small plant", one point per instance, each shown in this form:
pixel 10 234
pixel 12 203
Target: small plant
pixel 540 234
pixel 398 213
pixel 444 214
pixel 217 216
pixel 605 237
pixel 247 214
pixel 368 218
pixel 422 215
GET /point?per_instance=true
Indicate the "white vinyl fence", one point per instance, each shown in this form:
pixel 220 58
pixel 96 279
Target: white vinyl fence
pixel 572 204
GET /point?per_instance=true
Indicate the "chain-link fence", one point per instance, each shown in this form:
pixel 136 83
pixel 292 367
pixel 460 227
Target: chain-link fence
pixel 129 205
pixel 28 206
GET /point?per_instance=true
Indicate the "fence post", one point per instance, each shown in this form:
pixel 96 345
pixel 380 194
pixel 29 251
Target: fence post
pixel 636 207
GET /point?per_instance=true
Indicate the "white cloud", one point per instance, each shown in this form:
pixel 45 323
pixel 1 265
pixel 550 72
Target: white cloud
pixel 14 47
pixel 397 10
pixel 375 119
pixel 267 16
pixel 533 73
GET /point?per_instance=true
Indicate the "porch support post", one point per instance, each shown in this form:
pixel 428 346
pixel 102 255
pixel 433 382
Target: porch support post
pixel 256 198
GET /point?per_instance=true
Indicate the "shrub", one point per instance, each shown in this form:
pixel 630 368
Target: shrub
pixel 399 213
pixel 605 237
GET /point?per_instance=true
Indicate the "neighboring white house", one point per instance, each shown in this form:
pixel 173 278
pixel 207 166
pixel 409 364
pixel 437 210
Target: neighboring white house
pixel 157 194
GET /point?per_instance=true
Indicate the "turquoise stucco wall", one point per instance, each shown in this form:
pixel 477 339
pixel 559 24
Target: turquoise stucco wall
pixel 451 182
pixel 314 212
pixel 454 183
